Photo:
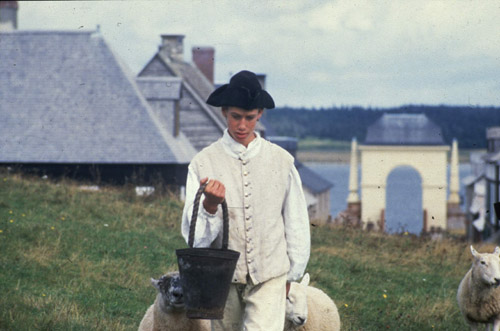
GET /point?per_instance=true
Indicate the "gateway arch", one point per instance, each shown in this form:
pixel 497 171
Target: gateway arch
pixel 412 140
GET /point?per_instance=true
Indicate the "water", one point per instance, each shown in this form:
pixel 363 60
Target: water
pixel 404 201
pixel 404 193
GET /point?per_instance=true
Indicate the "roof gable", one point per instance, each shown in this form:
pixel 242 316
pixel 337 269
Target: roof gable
pixel 156 67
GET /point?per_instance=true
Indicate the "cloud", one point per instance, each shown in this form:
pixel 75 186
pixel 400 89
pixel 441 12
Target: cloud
pixel 318 53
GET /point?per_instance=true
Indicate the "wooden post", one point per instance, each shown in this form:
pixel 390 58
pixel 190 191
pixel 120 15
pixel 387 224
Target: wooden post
pixel 424 228
pixel 382 220
pixel 177 118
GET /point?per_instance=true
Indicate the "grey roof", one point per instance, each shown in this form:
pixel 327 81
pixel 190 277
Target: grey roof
pixel 65 97
pixel 310 179
pixel 404 129
pixel 165 88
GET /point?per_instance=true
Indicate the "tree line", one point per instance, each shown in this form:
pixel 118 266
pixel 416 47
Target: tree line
pixel 467 124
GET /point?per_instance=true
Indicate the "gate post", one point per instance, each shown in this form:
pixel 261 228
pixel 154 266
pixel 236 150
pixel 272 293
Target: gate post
pixel 424 229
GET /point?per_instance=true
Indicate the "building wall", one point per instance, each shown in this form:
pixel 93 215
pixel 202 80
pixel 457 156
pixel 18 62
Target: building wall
pixel 195 123
pixel 163 109
pixel 323 206
pixel 430 162
pixel 319 213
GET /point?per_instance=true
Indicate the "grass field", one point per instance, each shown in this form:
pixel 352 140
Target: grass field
pixel 77 260
pixel 323 150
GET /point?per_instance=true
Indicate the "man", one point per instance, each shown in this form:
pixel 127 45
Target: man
pixel 268 220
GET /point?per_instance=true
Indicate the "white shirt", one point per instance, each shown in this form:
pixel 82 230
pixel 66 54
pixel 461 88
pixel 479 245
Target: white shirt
pixel 295 214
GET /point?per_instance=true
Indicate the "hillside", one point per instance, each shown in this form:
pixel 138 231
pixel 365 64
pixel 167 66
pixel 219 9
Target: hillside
pixel 467 124
pixel 79 260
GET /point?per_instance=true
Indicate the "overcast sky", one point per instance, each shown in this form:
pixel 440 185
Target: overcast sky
pixel 315 53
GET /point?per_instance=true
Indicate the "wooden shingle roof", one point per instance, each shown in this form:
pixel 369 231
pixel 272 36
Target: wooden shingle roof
pixel 312 180
pixel 65 97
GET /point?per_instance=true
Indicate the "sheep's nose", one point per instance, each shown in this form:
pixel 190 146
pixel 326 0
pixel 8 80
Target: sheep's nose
pixel 177 294
pixel 497 281
pixel 301 320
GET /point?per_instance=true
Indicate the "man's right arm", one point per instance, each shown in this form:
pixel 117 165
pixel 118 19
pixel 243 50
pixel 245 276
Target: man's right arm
pixel 208 224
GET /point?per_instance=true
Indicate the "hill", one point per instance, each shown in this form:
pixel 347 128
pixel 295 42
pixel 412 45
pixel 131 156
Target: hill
pixel 467 124
pixel 81 260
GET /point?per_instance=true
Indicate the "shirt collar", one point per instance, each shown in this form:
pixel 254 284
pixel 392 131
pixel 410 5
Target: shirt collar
pixel 239 151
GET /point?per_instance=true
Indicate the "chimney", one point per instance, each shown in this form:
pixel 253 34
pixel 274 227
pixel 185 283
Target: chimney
pixel 172 46
pixel 8 15
pixel 203 58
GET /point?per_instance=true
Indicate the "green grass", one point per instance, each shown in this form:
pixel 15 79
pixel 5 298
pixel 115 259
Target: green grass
pixel 313 144
pixel 76 260
pixel 323 150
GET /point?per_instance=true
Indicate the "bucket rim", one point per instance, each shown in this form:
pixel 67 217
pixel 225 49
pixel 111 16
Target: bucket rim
pixel 221 253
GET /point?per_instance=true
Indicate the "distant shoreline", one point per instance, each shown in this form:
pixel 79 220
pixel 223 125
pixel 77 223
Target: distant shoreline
pixel 324 156
pixel 343 156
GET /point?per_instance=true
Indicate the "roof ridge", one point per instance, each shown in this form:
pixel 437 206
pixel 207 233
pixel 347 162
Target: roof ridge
pixel 86 31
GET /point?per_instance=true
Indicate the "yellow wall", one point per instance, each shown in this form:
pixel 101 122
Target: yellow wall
pixel 430 162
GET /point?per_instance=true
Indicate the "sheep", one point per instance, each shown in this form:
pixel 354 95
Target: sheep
pixel 310 309
pixel 478 294
pixel 168 312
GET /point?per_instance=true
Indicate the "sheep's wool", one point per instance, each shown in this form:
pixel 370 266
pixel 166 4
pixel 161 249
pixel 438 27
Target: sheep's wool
pixel 255 190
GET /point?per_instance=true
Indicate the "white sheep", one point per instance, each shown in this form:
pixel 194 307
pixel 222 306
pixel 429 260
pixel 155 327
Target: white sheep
pixel 310 309
pixel 478 294
pixel 168 312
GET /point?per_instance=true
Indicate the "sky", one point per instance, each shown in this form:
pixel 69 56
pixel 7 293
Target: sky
pixel 317 54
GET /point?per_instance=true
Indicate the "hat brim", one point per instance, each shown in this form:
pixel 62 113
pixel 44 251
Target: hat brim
pixel 229 96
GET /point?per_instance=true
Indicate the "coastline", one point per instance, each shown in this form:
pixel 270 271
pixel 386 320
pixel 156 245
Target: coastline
pixel 344 156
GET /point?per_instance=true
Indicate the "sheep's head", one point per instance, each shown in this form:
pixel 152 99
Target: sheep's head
pixel 486 267
pixel 296 302
pixel 170 291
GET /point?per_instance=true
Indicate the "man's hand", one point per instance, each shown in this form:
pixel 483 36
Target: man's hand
pixel 215 193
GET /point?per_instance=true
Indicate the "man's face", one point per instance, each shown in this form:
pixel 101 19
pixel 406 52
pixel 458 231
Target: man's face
pixel 241 123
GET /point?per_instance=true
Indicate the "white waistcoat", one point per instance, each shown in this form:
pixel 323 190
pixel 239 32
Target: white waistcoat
pixel 255 193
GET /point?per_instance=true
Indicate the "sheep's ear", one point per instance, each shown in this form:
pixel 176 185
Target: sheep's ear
pixel 497 251
pixel 155 282
pixel 305 280
pixel 473 251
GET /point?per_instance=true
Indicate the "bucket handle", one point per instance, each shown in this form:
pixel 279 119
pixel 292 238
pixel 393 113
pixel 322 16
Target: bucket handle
pixel 225 218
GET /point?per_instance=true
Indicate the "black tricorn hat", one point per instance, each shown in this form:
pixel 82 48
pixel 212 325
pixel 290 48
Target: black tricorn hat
pixel 243 91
